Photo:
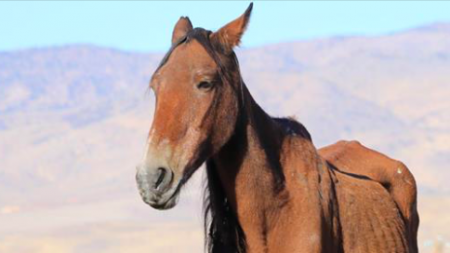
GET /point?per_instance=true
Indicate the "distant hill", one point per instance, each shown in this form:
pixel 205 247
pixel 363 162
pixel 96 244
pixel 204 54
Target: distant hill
pixel 73 119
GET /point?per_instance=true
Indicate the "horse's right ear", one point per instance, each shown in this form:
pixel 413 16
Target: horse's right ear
pixel 182 27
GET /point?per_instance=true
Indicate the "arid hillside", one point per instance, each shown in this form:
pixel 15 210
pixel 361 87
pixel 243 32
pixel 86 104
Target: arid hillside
pixel 73 123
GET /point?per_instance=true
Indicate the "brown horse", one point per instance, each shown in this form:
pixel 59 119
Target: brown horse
pixel 268 188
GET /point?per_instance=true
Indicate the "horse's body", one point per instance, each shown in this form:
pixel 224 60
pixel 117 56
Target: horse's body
pixel 268 188
pixel 354 158
pixel 319 209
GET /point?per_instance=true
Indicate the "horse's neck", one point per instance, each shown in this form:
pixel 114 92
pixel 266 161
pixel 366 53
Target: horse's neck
pixel 262 192
pixel 250 171
pixel 253 151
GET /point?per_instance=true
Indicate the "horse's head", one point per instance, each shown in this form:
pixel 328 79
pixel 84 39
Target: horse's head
pixel 198 92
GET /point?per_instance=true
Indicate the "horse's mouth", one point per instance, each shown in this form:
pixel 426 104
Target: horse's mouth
pixel 165 197
pixel 163 202
pixel 169 204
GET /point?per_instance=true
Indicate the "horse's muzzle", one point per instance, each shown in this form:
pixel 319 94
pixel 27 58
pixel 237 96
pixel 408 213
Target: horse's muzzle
pixel 156 186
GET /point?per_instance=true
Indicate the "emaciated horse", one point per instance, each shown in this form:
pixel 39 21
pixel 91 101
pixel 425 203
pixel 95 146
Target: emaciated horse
pixel 268 188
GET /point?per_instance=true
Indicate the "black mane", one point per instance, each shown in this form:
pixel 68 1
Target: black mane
pixel 293 127
pixel 223 233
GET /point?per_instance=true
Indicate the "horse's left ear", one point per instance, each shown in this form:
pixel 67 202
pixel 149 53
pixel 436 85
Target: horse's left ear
pixel 230 35
pixel 182 27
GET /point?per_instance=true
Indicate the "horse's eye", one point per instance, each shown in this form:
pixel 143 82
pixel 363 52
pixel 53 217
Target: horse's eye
pixel 205 85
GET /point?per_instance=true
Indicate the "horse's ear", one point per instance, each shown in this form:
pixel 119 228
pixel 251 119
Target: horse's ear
pixel 230 35
pixel 182 27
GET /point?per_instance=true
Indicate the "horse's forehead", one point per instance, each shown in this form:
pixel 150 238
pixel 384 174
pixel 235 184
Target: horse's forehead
pixel 191 56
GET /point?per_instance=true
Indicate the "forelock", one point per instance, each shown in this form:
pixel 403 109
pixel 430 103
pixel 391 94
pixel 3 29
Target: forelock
pixel 199 34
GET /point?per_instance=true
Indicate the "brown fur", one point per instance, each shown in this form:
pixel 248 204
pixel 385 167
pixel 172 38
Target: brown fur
pixel 268 189
pixel 352 157
pixel 182 27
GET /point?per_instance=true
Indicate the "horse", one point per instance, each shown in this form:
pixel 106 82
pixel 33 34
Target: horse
pixel 268 188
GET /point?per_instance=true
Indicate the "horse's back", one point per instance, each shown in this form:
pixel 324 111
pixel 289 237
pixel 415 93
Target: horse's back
pixel 352 157
pixel 369 219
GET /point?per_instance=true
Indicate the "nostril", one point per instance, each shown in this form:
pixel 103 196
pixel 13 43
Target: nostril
pixel 161 174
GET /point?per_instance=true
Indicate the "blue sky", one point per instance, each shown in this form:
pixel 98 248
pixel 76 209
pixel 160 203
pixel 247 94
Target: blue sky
pixel 147 26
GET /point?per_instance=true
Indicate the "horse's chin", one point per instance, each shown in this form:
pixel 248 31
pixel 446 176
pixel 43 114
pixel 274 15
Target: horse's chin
pixel 164 202
pixel 166 205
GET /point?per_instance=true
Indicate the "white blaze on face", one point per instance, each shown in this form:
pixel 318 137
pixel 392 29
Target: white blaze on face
pixel 156 154
pixel 147 146
pixel 173 156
